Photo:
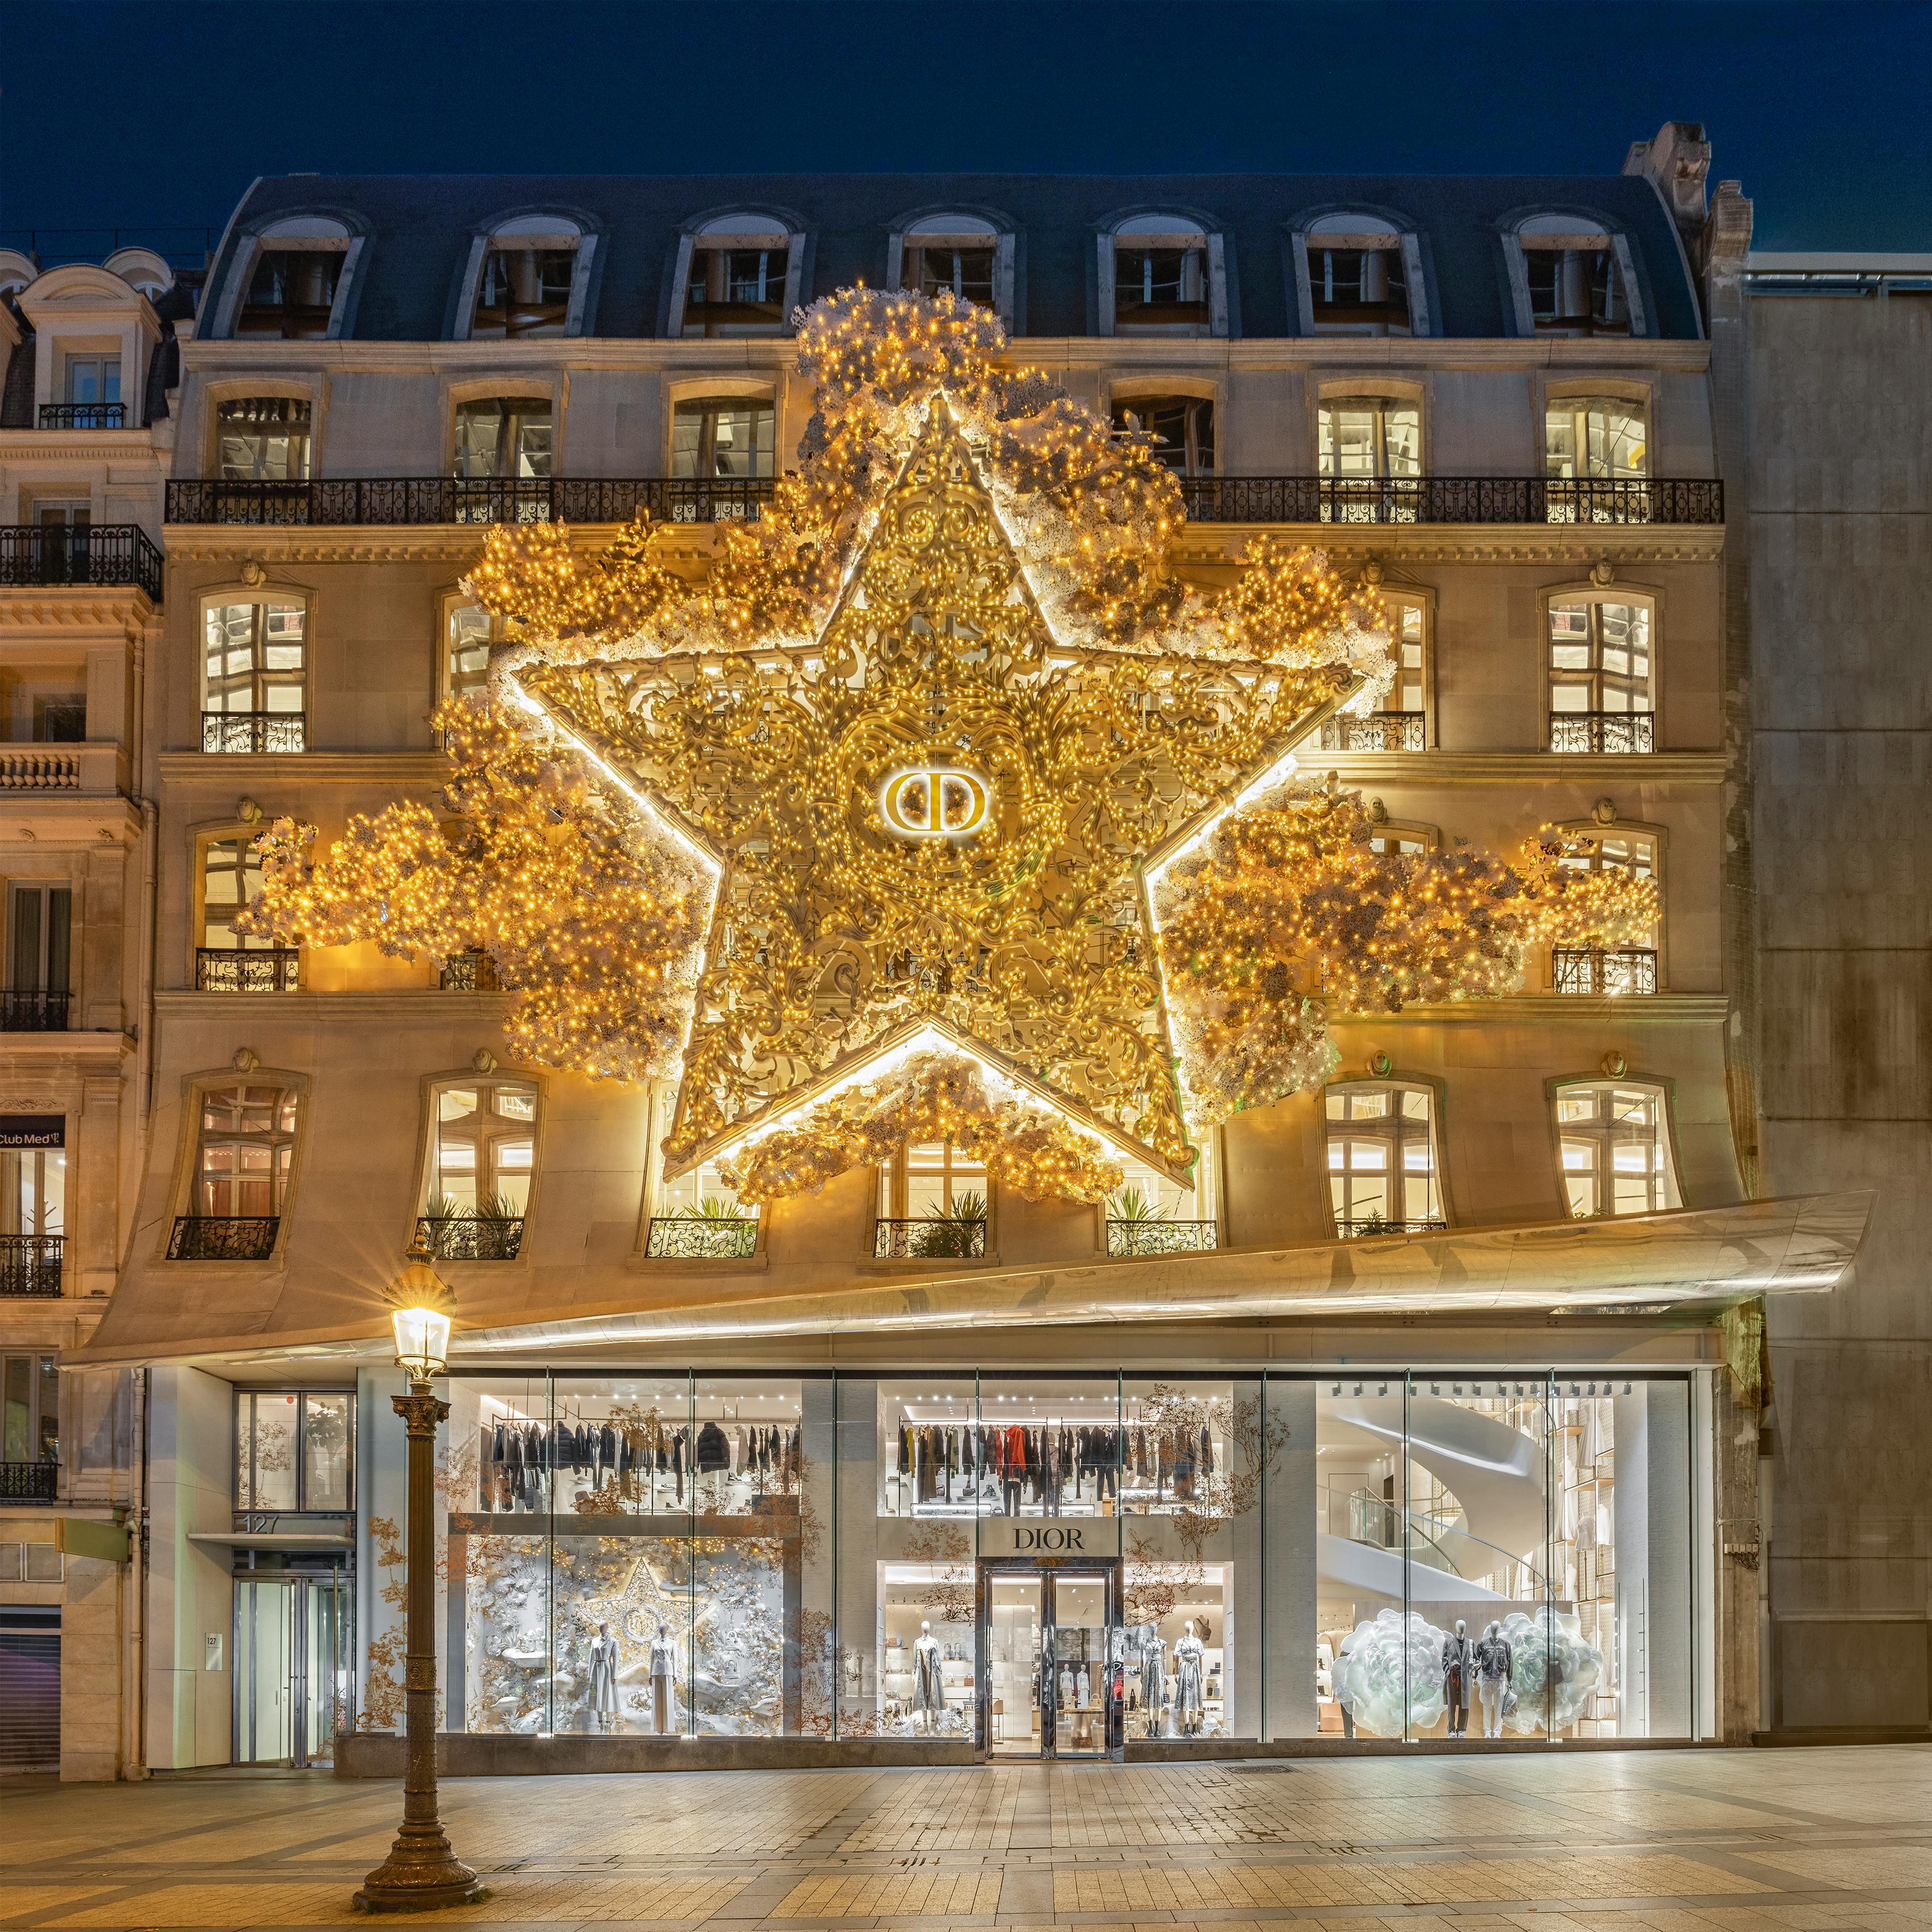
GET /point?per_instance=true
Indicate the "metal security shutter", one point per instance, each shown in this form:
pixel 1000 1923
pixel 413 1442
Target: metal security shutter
pixel 30 1641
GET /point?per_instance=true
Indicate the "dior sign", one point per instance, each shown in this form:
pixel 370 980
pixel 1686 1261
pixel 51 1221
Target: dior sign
pixel 1094 1537
pixel 935 802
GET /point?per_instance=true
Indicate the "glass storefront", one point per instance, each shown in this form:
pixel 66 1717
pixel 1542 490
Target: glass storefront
pixel 1044 1564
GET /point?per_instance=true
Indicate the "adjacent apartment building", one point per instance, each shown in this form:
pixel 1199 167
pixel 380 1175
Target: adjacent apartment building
pixel 904 1470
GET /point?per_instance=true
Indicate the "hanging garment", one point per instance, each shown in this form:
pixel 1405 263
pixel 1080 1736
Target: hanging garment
pixel 714 1453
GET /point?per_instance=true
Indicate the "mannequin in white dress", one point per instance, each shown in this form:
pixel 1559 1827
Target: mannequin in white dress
pixel 1189 1673
pixel 663 1680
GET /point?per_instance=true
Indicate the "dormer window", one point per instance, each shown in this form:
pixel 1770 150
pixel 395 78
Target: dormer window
pixel 1161 277
pixel 738 277
pixel 294 279
pixel 93 386
pixel 527 275
pixel 1573 278
pixel 1359 275
pixel 955 252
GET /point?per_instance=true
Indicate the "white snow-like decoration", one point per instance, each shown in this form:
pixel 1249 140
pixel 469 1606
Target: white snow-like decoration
pixel 1369 1674
pixel 1553 1668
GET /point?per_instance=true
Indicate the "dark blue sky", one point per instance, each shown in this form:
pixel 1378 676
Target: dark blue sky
pixel 154 113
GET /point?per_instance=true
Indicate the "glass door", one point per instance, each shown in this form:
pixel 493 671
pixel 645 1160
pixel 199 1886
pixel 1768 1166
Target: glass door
pixel 1079 1692
pixel 292 1667
pixel 1015 1639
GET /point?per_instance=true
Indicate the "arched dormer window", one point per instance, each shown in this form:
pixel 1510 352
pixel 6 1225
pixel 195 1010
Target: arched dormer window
pixel 527 275
pixel 15 272
pixel 965 253
pixel 142 270
pixel 737 274
pixel 292 281
pixel 1571 274
pixel 1358 274
pixel 1162 274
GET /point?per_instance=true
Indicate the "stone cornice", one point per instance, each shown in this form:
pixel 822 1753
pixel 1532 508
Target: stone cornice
pixel 1570 544
pixel 41 1055
pixel 337 543
pixel 424 1005
pixel 94 607
pixel 297 768
pixel 1525 767
pixel 67 820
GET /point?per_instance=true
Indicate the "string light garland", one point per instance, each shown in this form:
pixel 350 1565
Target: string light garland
pixel 903 756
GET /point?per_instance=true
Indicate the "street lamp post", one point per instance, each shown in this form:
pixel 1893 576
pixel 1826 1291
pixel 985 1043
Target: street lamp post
pixel 421 1872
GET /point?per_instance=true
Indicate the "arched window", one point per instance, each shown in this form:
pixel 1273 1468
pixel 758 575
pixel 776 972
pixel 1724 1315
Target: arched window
pixel 229 959
pixel 1361 275
pixel 481 1160
pixel 1160 278
pixel 1571 275
pixel 294 278
pixel 506 437
pixel 243 1163
pixel 1369 451
pixel 724 436
pixel 955 252
pixel 1595 436
pixel 16 271
pixel 255 675
pixel 1384 1172
pixel 1600 970
pixel 525 278
pixel 142 270
pixel 1614 1144
pixel 740 274
pixel 262 438
pixel 1602 684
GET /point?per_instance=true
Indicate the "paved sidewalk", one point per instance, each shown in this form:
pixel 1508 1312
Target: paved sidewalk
pixel 1647 1841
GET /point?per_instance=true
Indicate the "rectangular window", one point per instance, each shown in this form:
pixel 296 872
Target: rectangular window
pixel 231 878
pixel 1597 437
pixel 1182 428
pixel 32 1408
pixel 930 266
pixel 291 294
pixel 93 379
pixel 256 685
pixel 244 1152
pixel 503 436
pixel 720 438
pixel 262 438
pixel 484 1153
pixel 1370 437
pixel 932 1204
pixel 40 939
pixel 1381 1160
pixel 1407 694
pixel 33 1192
pixel 523 291
pixel 736 291
pixel 1160 288
pixel 468 631
pixel 1600 660
pixel 1577 290
pixel 292 1450
pixel 1361 286
pixel 1615 1152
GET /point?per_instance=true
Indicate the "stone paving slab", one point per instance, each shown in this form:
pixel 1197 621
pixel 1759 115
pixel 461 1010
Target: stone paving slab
pixel 1691 1841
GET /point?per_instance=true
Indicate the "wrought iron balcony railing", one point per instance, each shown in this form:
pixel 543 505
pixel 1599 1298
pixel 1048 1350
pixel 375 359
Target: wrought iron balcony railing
pixel 1379 731
pixel 1603 731
pixel 34 1012
pixel 472 1238
pixel 469 499
pixel 100 553
pixel 31 1263
pixel 694 1237
pixel 935 1238
pixel 239 732
pixel 473 972
pixel 1451 499
pixel 224 1237
pixel 83 416
pixel 1623 969
pixel 29 1482
pixel 246 969
pixel 1372 1224
pixel 1160 1237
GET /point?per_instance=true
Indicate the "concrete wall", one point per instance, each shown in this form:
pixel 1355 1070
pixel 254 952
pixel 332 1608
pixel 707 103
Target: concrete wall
pixel 1841 483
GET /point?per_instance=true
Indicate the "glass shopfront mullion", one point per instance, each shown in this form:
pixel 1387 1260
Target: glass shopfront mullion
pixel 1407 1522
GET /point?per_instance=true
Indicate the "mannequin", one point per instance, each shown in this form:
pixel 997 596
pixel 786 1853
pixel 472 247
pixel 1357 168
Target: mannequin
pixel 604 1678
pixel 1154 1677
pixel 1458 1667
pixel 1083 1688
pixel 664 1679
pixel 928 1684
pixel 1493 1661
pixel 1190 1661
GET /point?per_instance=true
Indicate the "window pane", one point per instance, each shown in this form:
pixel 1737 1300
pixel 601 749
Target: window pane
pixel 326 1451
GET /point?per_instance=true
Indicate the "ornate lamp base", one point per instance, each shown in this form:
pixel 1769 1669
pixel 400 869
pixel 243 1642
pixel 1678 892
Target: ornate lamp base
pixel 419 1875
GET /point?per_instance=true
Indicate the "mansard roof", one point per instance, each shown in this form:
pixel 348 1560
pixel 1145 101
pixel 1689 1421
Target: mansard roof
pixel 419 230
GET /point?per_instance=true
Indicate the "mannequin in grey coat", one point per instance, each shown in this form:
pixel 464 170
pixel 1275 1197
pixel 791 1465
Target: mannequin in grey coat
pixel 604 1678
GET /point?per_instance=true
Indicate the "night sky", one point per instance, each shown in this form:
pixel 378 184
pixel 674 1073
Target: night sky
pixel 163 112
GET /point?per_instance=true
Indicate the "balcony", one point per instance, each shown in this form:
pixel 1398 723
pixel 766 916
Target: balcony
pixel 472 1238
pixel 1603 731
pixel 937 1238
pixel 1161 1238
pixel 472 972
pixel 1380 731
pixel 1450 499
pixel 28 1482
pixel 1626 969
pixel 701 1237
pixel 469 499
pixel 1372 1226
pixel 239 733
pixel 83 416
pixel 59 554
pixel 34 1012
pixel 30 1264
pixel 224 1237
pixel 246 969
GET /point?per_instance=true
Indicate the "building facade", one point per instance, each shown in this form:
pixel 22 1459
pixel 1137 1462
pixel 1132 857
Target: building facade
pixel 1465 1347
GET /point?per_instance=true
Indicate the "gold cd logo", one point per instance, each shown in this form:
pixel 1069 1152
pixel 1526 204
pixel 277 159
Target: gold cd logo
pixel 935 802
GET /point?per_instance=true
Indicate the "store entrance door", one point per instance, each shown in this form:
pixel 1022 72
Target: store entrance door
pixel 1044 1643
pixel 291 1666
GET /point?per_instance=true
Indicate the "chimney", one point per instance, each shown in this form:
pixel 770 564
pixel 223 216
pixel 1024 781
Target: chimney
pixel 1675 163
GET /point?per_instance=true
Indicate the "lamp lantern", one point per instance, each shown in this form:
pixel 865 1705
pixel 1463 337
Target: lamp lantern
pixel 421 1306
